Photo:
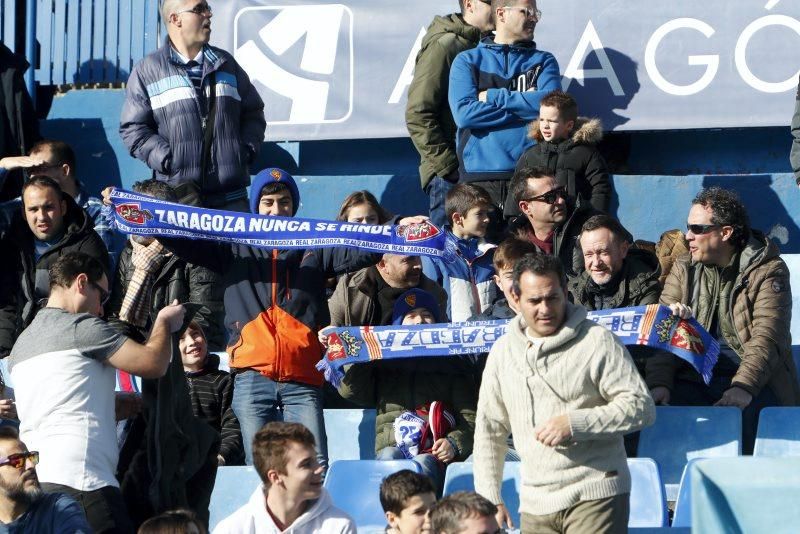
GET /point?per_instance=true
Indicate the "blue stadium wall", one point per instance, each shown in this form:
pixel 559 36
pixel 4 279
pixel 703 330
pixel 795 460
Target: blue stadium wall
pixel 663 173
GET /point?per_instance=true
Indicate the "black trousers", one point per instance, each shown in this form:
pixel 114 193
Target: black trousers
pixel 104 508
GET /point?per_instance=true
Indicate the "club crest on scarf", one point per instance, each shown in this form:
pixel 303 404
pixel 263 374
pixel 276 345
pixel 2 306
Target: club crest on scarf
pixel 342 345
pixel 134 214
pixel 416 232
pixel 680 334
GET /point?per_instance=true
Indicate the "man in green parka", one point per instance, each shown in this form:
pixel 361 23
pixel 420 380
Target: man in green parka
pixel 428 117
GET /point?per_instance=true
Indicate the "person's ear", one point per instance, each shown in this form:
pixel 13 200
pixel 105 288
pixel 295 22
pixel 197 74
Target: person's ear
pixel 457 219
pixel 274 477
pixel 391 519
pixel 727 232
pixel 64 206
pixel 497 281
pixel 82 281
pixel 625 246
pixel 570 125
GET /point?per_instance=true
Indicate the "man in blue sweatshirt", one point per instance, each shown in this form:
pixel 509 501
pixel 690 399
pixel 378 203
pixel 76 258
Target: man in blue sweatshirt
pixel 495 90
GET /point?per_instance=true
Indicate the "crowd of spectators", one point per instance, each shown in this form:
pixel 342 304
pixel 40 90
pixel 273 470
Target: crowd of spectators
pixel 521 191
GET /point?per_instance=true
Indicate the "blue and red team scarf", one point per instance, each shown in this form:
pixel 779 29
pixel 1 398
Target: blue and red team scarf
pixel 138 214
pixel 652 326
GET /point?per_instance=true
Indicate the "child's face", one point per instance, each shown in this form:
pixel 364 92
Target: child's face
pixel 504 279
pixel 276 204
pixel 419 316
pixel 552 125
pixel 193 349
pixel 474 223
pixel 362 213
pixel 413 519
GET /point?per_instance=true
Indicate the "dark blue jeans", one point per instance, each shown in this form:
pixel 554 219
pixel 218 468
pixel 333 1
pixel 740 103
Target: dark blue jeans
pixel 437 190
pixel 257 400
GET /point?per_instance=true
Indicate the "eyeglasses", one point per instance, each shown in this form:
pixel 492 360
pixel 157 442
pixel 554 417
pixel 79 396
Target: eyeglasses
pixel 200 10
pixel 20 459
pixel 104 295
pixel 551 197
pixel 529 13
pixel 30 172
pixel 700 229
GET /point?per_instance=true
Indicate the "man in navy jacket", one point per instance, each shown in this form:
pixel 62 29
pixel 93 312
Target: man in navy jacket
pixel 179 91
pixel 495 90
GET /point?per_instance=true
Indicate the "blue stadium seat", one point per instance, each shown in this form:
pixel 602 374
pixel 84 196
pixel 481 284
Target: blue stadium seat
pixel 354 486
pixel 778 432
pixel 351 434
pixel 681 433
pixel 459 477
pixel 232 489
pixel 648 501
pixel 683 504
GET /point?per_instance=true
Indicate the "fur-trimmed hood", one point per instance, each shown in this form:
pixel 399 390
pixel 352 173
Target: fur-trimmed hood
pixel 587 131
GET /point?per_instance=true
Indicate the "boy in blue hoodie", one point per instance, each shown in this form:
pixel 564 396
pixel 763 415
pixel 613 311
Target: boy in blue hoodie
pixel 468 277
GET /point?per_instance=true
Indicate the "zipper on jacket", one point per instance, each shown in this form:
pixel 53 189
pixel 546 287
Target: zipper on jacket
pixel 272 306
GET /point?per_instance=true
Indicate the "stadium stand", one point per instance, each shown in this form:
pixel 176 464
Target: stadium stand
pixel 459 477
pixel 778 432
pixel 354 486
pixel 648 500
pixel 682 433
pixel 232 489
pixel 351 434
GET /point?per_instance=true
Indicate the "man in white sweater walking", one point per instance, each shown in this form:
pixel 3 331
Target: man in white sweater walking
pixel 568 390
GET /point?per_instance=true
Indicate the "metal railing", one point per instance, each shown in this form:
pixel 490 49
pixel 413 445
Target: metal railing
pixel 81 42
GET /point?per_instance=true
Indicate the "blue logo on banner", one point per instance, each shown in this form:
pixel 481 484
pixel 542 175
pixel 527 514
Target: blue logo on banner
pixel 302 56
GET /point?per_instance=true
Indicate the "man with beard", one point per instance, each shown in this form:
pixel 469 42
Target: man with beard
pixel 23 505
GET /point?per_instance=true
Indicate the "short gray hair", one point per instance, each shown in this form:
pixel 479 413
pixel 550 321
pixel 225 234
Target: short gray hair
pixel 168 7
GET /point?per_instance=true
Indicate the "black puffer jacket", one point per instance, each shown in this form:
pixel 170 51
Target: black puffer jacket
pixel 176 280
pixel 576 162
pixel 29 279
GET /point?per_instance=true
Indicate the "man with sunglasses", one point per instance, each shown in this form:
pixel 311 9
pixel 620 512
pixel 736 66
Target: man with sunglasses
pixel 192 114
pixel 428 117
pixel 494 92
pixel 550 218
pixel 24 507
pixel 63 369
pixel 737 286
pixel 49 225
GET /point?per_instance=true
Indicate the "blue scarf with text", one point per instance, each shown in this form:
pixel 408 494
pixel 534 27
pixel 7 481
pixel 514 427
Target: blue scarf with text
pixel 144 215
pixel 653 326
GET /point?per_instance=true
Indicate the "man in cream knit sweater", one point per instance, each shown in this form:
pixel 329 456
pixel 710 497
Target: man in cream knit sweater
pixel 567 390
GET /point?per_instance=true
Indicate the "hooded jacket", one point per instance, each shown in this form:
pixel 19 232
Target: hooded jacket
pixel 394 387
pixel 321 518
pixel 274 299
pixel 162 121
pixel 491 134
pixel 638 283
pixel 468 279
pixel 428 116
pixel 29 278
pixel 583 371
pixel 576 162
pixel 760 312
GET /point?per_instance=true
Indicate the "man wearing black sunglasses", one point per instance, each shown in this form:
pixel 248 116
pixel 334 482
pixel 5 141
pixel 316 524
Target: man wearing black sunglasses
pixel 550 218
pixel 24 507
pixel 192 114
pixel 737 286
